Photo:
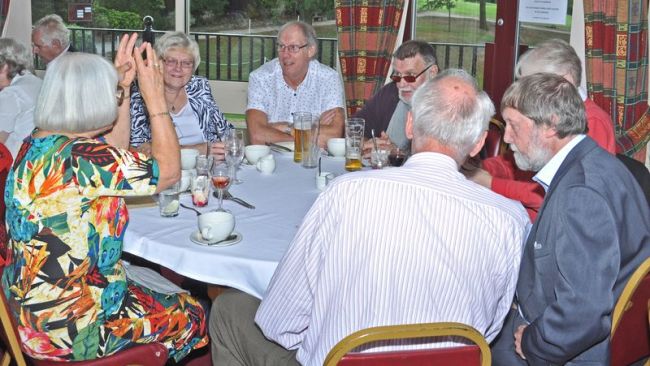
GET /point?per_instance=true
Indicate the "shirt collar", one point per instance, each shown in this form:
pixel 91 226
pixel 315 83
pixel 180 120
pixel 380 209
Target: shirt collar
pixel 548 171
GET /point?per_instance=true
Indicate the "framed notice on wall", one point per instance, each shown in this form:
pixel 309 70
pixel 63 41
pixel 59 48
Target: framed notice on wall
pixel 543 11
pixel 78 12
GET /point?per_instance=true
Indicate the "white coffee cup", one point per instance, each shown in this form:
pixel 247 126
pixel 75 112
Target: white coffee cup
pixel 188 158
pixel 266 164
pixel 216 225
pixel 255 152
pixel 323 179
pixel 336 146
pixel 186 178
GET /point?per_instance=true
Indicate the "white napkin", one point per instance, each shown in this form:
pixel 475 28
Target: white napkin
pixel 151 279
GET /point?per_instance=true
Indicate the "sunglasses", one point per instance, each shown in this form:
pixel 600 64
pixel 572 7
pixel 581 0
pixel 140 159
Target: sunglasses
pixel 409 78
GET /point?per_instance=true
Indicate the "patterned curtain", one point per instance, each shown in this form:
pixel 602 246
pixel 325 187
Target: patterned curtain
pixel 367 31
pixel 616 40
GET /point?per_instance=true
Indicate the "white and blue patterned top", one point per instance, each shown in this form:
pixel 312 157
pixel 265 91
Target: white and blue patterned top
pixel 211 120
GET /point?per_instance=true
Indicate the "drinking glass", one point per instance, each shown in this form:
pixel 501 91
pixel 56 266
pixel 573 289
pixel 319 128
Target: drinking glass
pixel 301 133
pixel 204 164
pixel 221 180
pixel 379 158
pixel 353 143
pixel 234 149
pixel 396 157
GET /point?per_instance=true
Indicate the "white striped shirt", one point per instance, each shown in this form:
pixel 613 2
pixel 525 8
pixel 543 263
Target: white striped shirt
pixel 404 245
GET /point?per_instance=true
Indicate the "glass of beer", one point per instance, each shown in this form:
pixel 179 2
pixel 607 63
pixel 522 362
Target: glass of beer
pixel 301 133
pixel 353 143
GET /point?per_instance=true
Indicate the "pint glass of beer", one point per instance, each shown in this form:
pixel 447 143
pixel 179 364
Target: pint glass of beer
pixel 353 143
pixel 301 133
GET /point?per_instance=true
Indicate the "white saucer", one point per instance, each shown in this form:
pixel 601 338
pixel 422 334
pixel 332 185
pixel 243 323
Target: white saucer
pixel 198 239
pixel 288 144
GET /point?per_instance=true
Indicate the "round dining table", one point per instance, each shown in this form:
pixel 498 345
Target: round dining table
pixel 281 200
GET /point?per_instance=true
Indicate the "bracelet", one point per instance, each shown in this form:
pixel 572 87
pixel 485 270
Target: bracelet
pixel 151 116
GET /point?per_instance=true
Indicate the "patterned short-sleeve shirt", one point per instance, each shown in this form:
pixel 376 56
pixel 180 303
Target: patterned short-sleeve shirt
pixel 64 280
pixel 268 92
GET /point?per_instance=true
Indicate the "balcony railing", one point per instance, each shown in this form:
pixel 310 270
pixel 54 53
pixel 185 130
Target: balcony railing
pixel 232 57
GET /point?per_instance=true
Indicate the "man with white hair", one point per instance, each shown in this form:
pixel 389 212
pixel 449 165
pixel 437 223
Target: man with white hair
pixel 50 38
pixel 500 173
pixel 436 247
pixel 294 82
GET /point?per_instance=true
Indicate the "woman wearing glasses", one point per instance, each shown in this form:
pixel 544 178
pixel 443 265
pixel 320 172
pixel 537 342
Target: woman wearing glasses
pixel 64 281
pixel 196 117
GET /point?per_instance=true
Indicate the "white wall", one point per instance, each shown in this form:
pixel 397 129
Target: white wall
pixel 231 96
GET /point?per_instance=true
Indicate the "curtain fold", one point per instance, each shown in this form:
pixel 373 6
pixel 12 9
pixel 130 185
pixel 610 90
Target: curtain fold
pixel 367 32
pixel 616 40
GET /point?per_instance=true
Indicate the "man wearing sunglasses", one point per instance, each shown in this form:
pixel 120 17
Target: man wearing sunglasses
pixel 414 62
pixel 294 82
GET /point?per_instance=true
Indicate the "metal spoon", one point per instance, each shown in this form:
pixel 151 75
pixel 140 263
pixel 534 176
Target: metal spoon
pixel 198 213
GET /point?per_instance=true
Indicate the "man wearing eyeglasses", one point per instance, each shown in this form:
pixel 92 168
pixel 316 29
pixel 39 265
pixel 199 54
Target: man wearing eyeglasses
pixel 294 81
pixel 414 62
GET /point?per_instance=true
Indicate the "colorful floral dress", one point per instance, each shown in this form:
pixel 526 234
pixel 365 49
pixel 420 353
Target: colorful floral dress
pixel 64 281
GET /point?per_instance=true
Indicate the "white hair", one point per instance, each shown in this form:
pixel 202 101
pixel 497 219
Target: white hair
pixel 179 41
pixel 15 55
pixel 456 121
pixel 52 28
pixel 78 94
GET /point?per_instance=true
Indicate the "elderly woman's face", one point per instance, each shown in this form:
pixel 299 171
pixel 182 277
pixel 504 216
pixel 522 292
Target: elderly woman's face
pixel 179 66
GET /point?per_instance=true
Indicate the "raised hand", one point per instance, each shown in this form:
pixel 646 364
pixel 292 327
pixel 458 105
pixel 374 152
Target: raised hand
pixel 124 62
pixel 150 79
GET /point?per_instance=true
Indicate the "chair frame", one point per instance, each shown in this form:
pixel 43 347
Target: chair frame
pixel 631 286
pixel 624 302
pixel 408 331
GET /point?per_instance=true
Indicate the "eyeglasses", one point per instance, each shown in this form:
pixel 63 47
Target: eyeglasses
pixel 409 78
pixel 291 48
pixel 172 63
pixel 119 95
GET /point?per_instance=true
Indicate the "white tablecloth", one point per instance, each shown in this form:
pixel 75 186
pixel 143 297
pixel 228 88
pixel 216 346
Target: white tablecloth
pixel 281 200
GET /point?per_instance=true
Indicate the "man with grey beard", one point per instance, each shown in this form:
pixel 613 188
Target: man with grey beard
pixel 591 233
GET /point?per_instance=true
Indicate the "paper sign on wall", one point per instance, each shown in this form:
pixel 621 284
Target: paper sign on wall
pixel 543 11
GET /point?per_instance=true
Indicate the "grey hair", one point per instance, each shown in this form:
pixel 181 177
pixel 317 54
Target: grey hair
pixel 75 99
pixel 15 55
pixel 549 100
pixel 52 28
pixel 456 121
pixel 307 31
pixel 554 56
pixel 412 48
pixel 178 40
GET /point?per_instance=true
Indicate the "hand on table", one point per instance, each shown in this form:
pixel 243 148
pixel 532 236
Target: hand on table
pixel 383 142
pixel 327 117
pixel 284 127
pixel 518 335
pixel 217 150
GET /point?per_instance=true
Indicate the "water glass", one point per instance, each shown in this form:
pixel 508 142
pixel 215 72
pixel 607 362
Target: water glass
pixel 168 201
pixel 379 158
pixel 200 190
pixel 204 164
pixel 234 149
